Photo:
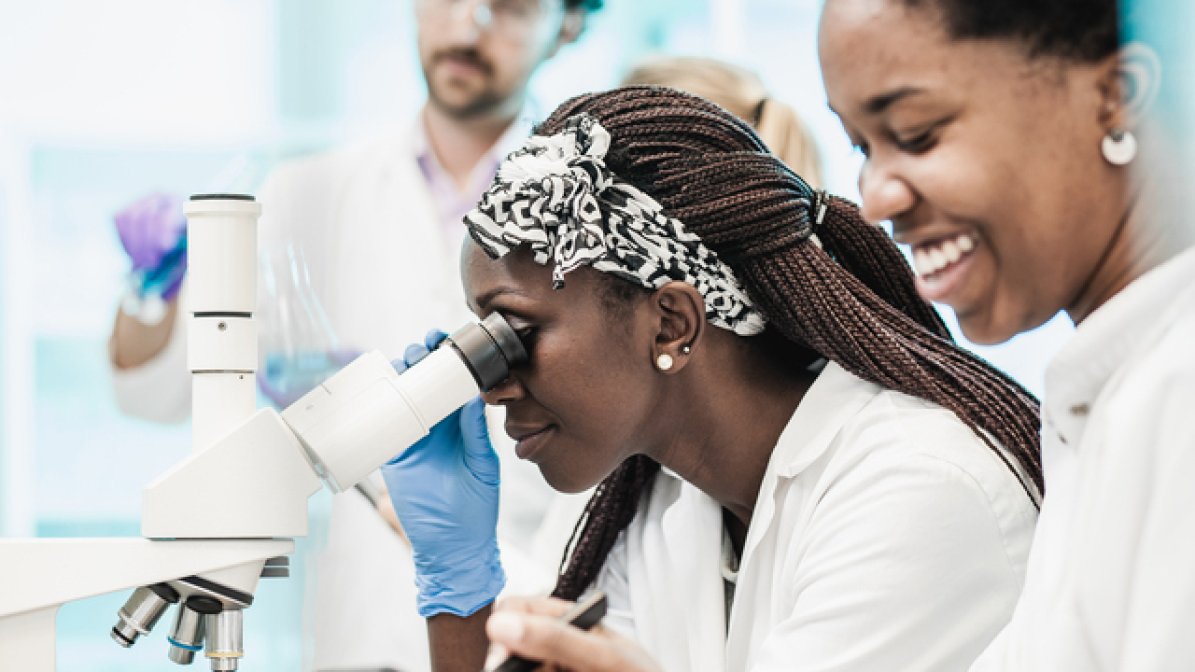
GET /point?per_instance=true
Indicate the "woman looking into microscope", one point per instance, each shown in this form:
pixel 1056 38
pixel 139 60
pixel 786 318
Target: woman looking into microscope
pixel 793 461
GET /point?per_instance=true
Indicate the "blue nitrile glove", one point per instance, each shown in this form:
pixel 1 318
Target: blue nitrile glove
pixel 445 492
pixel 153 231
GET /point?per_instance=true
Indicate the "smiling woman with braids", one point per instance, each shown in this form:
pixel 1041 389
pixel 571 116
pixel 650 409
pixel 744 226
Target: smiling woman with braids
pixel 795 466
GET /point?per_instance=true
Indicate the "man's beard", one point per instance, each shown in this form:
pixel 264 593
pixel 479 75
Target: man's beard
pixel 480 103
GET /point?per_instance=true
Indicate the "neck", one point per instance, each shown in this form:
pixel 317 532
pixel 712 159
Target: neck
pixel 730 427
pixel 460 143
pixel 1146 237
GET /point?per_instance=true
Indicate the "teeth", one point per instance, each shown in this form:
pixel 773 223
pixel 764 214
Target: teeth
pixel 929 259
pixel 921 262
pixel 952 251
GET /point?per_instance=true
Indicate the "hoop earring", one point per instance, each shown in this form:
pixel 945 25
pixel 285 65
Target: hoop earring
pixel 1119 147
pixel 664 362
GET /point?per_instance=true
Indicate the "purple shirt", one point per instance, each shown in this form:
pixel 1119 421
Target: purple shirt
pixel 453 202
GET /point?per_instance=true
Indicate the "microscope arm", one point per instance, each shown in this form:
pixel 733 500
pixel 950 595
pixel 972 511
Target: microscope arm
pixel 254 481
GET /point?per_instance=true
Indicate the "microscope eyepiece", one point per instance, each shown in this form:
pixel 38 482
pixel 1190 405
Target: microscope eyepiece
pixel 490 349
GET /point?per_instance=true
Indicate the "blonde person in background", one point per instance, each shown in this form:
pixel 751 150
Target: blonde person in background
pixel 743 94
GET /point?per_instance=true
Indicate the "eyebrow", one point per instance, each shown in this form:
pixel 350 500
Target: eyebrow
pixel 486 298
pixel 883 101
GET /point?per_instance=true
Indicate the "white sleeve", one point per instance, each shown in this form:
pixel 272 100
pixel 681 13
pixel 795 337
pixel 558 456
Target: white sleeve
pixel 160 389
pixel 904 568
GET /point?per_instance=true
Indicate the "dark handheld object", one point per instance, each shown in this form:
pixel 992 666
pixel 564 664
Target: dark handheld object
pixel 585 614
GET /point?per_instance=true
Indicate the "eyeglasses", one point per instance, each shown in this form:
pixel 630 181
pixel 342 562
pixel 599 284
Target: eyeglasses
pixel 510 17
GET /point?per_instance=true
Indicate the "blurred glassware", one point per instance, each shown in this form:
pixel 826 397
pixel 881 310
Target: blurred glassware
pixel 298 347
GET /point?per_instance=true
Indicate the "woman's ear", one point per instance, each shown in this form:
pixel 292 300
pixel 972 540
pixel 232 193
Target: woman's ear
pixel 1129 85
pixel 680 314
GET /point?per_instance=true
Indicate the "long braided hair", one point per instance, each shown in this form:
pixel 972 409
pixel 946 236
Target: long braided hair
pixel 850 299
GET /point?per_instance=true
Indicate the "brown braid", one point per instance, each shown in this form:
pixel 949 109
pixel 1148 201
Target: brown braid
pixel 852 299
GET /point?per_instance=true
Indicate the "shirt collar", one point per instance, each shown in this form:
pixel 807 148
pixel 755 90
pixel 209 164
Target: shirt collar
pixel 452 202
pixel 835 396
pixel 1103 341
pixel 510 140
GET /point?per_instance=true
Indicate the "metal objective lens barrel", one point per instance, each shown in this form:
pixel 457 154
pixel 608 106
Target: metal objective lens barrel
pixel 141 612
pixel 186 637
pixel 225 639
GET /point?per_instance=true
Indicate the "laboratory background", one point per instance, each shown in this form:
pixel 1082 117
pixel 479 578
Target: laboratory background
pixel 104 102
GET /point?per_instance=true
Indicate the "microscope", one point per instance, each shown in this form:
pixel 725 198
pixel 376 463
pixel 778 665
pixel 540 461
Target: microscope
pixel 225 517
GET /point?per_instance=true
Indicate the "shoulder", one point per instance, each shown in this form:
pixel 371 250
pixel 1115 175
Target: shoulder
pixel 1166 364
pixel 343 161
pixel 1147 402
pixel 909 457
pixel 898 428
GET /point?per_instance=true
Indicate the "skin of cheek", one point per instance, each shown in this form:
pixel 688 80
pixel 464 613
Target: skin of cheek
pixel 1042 226
pixel 1019 164
pixel 589 378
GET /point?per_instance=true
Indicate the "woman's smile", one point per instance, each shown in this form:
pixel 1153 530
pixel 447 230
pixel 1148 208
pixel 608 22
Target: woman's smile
pixel 942 266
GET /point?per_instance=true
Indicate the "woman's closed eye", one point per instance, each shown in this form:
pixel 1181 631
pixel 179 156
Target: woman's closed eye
pixel 920 139
pixel 916 144
pixel 526 334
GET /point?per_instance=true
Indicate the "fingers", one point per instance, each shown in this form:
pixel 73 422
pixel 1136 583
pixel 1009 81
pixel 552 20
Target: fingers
pixel 544 606
pixel 480 457
pixel 433 338
pixel 416 351
pixel 413 354
pixel 541 637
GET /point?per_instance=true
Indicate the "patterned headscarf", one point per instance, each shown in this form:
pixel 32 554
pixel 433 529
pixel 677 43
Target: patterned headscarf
pixel 557 196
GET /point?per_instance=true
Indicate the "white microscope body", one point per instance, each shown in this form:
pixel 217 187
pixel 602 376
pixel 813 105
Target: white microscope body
pixel 224 517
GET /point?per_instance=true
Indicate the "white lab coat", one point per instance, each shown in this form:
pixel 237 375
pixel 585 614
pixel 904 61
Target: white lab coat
pixel 886 536
pixel 385 269
pixel 1111 577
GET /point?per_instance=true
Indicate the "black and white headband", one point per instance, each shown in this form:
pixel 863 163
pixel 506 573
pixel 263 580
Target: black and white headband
pixel 557 196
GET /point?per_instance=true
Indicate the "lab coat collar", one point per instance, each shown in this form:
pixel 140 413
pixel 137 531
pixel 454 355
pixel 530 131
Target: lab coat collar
pixel 834 398
pixel 1100 345
pixel 683 537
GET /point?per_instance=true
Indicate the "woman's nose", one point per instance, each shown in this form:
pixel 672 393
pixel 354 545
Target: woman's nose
pixel 886 195
pixel 507 391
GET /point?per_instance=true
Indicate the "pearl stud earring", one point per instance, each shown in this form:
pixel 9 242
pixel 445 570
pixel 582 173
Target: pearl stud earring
pixel 664 362
pixel 1119 147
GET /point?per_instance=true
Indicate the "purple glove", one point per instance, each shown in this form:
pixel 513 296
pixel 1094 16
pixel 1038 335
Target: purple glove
pixel 152 230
